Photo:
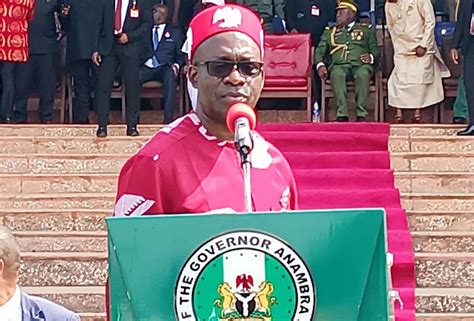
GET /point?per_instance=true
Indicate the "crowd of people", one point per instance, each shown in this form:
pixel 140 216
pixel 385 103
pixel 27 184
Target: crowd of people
pixel 137 41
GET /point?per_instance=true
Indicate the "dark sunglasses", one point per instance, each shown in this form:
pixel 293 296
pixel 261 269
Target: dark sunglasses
pixel 223 68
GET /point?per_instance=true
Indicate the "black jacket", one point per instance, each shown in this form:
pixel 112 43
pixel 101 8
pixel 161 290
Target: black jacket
pixel 79 26
pixel 42 33
pixel 169 47
pixel 462 35
pixel 135 28
pixel 299 17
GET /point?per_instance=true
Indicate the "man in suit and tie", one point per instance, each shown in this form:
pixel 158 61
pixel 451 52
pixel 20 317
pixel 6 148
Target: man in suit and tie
pixel 163 58
pixel 463 41
pixel 16 305
pixel 118 40
pixel 79 19
pixel 40 70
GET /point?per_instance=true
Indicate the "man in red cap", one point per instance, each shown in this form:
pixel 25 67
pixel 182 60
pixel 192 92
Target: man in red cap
pixel 192 165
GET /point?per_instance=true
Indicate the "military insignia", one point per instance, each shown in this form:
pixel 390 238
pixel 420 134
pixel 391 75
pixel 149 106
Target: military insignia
pixel 245 276
pixel 227 17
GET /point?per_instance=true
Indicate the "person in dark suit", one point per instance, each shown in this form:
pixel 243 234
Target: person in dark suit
pixel 310 16
pixel 163 58
pixel 79 17
pixel 16 304
pixel 463 40
pixel 40 70
pixel 118 40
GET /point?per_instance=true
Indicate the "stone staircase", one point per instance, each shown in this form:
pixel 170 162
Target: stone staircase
pixel 57 183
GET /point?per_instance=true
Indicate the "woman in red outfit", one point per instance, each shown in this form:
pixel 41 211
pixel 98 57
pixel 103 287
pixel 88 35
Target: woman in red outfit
pixel 14 17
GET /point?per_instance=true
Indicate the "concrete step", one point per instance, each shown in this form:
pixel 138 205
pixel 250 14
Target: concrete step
pixel 66 130
pixel 65 220
pixel 54 219
pixel 105 201
pixel 62 164
pixel 448 300
pixel 435 182
pixel 438 202
pixel 441 220
pixel 80 299
pixel 129 145
pixel 96 241
pixel 92 201
pixel 112 163
pixel 439 270
pixel 63 269
pixel 71 145
pixel 439 317
pixel 54 183
pixel 413 130
pixel 444 242
pixel 445 270
pixel 423 182
pixel 439 304
pixel 433 162
pixel 69 242
pixel 61 130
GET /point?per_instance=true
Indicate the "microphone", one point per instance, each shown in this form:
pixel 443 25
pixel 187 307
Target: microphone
pixel 241 120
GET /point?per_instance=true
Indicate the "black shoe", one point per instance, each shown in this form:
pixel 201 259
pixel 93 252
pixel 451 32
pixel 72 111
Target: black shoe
pixel 46 122
pixel 342 119
pixel 102 132
pixel 361 119
pixel 459 120
pixel 132 131
pixel 469 131
pixel 6 120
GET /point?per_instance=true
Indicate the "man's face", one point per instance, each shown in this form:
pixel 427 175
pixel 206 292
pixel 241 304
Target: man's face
pixel 160 15
pixel 216 93
pixel 344 17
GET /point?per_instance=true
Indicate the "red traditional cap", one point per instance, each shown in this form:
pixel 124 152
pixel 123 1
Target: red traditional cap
pixel 219 19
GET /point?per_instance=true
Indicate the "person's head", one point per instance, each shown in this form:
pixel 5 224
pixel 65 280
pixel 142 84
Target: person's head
pixel 160 14
pixel 9 258
pixel 226 59
pixel 346 13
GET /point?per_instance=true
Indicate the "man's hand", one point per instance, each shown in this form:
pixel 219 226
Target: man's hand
pixel 323 72
pixel 365 58
pixel 293 30
pixel 65 11
pixel 96 58
pixel 122 38
pixel 455 56
pixel 420 51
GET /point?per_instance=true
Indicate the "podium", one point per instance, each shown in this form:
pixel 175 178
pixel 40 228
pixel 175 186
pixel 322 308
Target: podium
pixel 308 265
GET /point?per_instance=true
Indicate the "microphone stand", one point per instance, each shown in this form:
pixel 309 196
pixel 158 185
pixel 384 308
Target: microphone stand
pixel 244 147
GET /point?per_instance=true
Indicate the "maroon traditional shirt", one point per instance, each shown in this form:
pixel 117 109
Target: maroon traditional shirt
pixel 183 169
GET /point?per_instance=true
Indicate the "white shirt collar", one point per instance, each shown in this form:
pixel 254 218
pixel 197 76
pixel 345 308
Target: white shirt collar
pixel 11 310
pixel 351 25
pixel 160 26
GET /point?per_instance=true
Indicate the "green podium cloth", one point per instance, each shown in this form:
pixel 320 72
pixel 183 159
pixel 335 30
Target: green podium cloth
pixel 312 265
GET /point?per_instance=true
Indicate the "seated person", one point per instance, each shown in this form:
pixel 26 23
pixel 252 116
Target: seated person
pixel 15 304
pixel 353 48
pixel 163 58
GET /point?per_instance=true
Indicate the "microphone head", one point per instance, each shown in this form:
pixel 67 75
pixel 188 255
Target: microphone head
pixel 240 110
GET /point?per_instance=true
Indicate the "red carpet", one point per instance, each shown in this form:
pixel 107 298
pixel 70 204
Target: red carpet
pixel 348 166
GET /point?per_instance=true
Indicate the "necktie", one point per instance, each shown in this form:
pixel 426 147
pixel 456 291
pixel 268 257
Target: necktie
pixel 118 16
pixel 156 41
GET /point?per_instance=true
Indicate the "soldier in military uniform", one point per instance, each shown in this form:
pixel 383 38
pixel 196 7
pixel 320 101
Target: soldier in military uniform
pixel 267 10
pixel 353 49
